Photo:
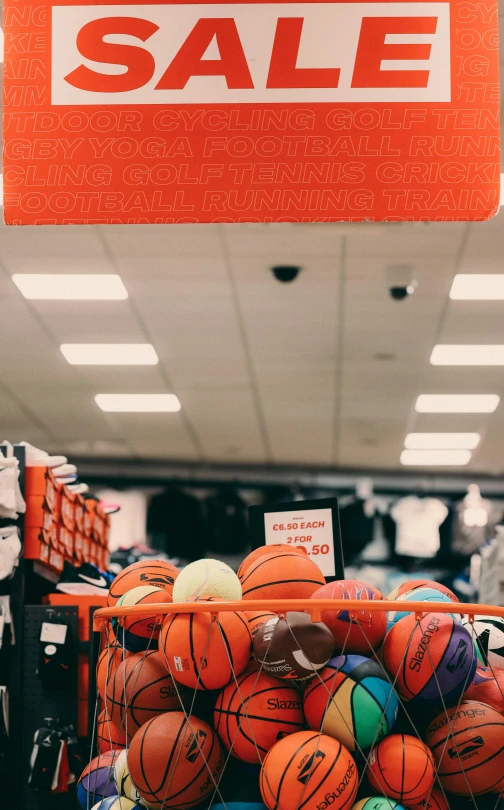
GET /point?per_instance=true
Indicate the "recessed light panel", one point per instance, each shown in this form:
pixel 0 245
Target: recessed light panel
pixel 468 355
pixel 441 441
pixel 71 286
pixel 435 458
pixel 109 354
pixel 457 403
pixel 138 403
pixel 478 287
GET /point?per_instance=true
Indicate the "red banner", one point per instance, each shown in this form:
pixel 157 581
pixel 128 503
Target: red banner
pixel 162 112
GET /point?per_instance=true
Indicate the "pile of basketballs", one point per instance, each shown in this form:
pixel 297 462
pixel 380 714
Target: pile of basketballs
pixel 365 709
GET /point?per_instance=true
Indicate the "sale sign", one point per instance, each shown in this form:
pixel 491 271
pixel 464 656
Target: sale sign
pixel 161 112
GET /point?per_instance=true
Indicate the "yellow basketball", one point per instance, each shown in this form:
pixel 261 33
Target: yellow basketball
pixel 207 578
pixel 123 780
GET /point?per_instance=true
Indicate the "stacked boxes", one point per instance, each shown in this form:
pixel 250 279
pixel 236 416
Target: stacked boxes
pixel 60 525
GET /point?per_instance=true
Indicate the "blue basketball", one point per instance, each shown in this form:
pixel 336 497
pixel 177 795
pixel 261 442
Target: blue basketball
pixel 116 803
pixel 97 780
pixel 418 595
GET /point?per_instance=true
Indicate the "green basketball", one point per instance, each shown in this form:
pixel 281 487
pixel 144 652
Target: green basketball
pixel 377 803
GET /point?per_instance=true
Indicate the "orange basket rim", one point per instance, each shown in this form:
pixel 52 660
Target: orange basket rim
pixel 314 607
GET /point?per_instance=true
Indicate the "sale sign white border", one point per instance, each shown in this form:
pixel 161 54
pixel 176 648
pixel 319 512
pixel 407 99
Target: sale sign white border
pixel 311 529
pixel 329 40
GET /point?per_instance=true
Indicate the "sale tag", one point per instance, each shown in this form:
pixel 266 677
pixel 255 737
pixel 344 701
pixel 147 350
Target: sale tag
pixel 54 633
pixel 313 530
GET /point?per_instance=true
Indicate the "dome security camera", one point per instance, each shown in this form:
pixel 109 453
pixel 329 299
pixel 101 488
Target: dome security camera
pixel 285 273
pixel 401 281
pixel 401 293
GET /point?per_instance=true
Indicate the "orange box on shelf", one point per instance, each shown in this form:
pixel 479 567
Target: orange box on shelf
pixel 79 513
pixel 56 560
pixel 67 515
pixel 98 528
pixel 86 542
pixel 38 514
pixel 106 533
pixel 43 555
pixel 89 515
pixel 66 541
pixel 78 546
pixel 34 538
pixel 93 551
pixel 40 481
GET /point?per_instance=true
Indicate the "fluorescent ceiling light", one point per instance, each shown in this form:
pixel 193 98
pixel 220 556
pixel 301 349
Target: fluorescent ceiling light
pixel 441 441
pixel 457 403
pixel 435 458
pixel 478 287
pixel 470 355
pixel 71 286
pixel 138 403
pixel 109 354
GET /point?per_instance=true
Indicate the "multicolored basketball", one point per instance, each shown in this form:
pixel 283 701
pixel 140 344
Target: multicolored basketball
pixel 354 631
pixel 108 736
pixel 203 651
pixel 487 687
pixel 97 780
pixel 159 573
pixel 175 762
pixel 418 595
pixel 123 780
pixel 139 690
pixel 468 744
pixel 108 661
pixel 487 633
pixel 207 578
pixel 353 701
pixel 435 801
pixel 138 632
pixel 431 659
pixel 116 803
pixel 377 803
pixel 274 548
pixel 308 771
pixel 293 647
pixel 288 575
pixel 401 767
pixel 256 711
pixel 412 585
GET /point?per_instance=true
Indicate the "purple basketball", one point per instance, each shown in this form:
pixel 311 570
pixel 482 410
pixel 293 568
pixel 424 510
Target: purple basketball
pixel 97 780
pixel 431 659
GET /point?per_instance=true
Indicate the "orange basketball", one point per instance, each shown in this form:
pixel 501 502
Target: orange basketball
pixel 308 771
pixel 288 575
pixel 436 801
pixel 487 687
pixel 401 767
pixel 203 651
pixel 175 762
pixel 140 632
pixel 159 573
pixel 362 632
pixel 108 736
pixel 139 690
pixel 468 744
pixel 262 551
pixel 108 661
pixel 256 711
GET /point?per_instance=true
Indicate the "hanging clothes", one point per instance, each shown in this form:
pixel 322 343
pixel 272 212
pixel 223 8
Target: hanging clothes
pixel 418 521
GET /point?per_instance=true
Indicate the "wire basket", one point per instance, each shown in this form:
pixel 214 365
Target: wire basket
pixel 398 724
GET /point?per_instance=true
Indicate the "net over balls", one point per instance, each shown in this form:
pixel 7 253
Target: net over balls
pixel 468 744
pixel 203 651
pixel 352 701
pixel 293 647
pixel 207 578
pixel 108 661
pixel 175 762
pixel 275 548
pixel 159 573
pixel 256 711
pixel 401 767
pixel 97 780
pixel 140 632
pixel 431 659
pixel 108 736
pixel 139 690
pixel 308 771
pixel 487 687
pixel 288 575
pixel 354 631
pixel 487 633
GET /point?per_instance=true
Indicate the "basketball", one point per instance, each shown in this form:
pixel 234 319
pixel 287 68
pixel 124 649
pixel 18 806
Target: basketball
pixel 468 744
pixel 412 585
pixel 139 633
pixel 159 573
pixel 431 659
pixel 207 578
pixel 97 780
pixel 123 780
pixel 115 803
pixel 436 801
pixel 202 651
pixel 487 633
pixel 288 575
pixel 108 736
pixel 377 803
pixel 292 647
pixel 487 687
pixel 401 767
pixel 418 595
pixel 139 690
pixel 308 770
pixel 275 548
pixel 256 711
pixel 108 661
pixel 351 701
pixel 175 762
pixel 362 632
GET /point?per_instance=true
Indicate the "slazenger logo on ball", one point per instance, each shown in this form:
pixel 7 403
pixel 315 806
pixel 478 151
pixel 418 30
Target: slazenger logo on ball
pixel 251 53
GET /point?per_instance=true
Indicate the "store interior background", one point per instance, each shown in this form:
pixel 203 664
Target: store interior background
pixel 287 390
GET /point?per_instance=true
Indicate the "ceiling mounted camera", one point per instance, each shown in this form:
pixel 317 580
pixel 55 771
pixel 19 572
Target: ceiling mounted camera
pixel 285 273
pixel 401 281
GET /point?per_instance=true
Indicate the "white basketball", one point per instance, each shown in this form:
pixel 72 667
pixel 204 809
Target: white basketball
pixel 115 803
pixel 207 578
pixel 123 780
pixel 487 633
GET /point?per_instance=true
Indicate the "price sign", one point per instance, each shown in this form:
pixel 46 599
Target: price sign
pixel 312 525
